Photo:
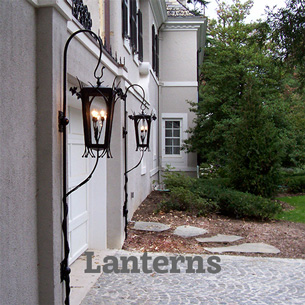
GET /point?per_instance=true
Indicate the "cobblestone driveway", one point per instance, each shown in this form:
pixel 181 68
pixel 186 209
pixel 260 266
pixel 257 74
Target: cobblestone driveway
pixel 242 280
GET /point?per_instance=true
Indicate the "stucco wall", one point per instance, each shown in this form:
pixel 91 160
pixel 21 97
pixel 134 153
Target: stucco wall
pixel 178 79
pixel 50 39
pixel 18 240
pixel 178 55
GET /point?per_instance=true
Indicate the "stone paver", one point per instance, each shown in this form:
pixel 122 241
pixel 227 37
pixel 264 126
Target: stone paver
pixel 219 238
pixel 150 226
pixel 189 231
pixel 246 248
pixel 242 280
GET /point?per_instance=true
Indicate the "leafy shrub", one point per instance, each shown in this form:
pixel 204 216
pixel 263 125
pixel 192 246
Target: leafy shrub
pixel 183 199
pixel 205 196
pixel 177 179
pixel 219 182
pixel 239 204
pixel 295 184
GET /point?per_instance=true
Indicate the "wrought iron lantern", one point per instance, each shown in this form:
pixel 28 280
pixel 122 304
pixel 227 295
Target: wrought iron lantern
pixel 142 124
pixel 97 108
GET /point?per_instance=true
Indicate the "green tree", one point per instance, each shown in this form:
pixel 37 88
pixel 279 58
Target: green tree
pixel 241 85
pixel 288 33
pixel 254 149
pixel 293 97
pixel 235 51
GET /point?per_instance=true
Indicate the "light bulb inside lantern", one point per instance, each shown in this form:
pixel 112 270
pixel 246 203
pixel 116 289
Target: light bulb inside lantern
pixel 95 115
pixel 103 114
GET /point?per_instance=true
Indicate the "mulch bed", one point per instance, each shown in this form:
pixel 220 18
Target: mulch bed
pixel 288 237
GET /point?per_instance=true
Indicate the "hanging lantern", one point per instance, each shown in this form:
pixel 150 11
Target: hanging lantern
pixel 97 108
pixel 142 124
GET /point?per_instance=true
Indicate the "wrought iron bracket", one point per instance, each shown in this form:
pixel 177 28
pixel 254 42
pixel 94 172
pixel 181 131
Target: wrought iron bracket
pixel 124 132
pixel 62 121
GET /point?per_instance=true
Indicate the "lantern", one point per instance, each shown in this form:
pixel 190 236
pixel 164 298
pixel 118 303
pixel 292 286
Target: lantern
pixel 98 108
pixel 142 124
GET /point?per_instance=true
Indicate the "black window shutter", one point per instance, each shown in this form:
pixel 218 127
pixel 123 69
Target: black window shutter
pixel 140 35
pixel 153 48
pixel 133 25
pixel 124 19
pixel 157 55
pixel 107 26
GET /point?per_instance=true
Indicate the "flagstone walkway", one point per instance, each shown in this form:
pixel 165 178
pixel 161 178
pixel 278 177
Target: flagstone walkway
pixel 191 231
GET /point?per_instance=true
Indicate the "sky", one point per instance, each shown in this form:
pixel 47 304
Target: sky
pixel 256 11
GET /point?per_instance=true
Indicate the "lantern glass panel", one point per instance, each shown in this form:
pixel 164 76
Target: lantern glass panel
pixel 142 131
pixel 98 120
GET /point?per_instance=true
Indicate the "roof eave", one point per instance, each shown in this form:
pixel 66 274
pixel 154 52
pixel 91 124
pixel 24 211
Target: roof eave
pixel 158 8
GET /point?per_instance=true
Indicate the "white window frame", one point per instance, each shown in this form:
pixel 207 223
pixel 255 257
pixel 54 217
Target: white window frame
pixel 173 146
pixel 176 160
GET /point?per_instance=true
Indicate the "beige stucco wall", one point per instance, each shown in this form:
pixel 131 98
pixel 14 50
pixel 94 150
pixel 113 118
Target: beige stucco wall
pixel 50 39
pixel 178 83
pixel 18 205
pixel 178 60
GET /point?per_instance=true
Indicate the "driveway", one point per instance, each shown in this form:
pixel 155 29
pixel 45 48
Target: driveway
pixel 241 280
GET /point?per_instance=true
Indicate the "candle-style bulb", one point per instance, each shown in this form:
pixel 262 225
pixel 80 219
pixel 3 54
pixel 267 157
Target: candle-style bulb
pixel 103 115
pixel 95 114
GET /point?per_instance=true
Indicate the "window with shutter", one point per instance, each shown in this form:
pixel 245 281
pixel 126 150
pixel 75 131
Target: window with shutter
pixel 140 35
pixel 153 48
pixel 133 25
pixel 107 26
pixel 155 51
pixel 157 55
pixel 125 18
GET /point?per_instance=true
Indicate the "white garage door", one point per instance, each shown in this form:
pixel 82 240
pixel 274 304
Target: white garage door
pixel 87 205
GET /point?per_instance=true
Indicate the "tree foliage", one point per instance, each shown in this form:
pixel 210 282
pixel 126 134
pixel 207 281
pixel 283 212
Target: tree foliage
pixel 254 150
pixel 198 6
pixel 235 54
pixel 288 32
pixel 241 119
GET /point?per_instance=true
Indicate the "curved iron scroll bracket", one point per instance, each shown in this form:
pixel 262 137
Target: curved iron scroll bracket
pixel 63 122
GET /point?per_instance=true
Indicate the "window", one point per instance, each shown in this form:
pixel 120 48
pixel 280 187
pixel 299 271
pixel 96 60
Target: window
pixel 155 51
pixel 153 48
pixel 133 25
pixel 172 137
pixel 135 31
pixel 107 26
pixel 125 18
pixel 140 35
pixel 157 55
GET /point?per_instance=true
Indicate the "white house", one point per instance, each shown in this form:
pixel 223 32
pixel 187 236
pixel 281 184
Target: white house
pixel 156 44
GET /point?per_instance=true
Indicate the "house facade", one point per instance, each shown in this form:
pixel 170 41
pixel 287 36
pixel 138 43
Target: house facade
pixel 155 44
